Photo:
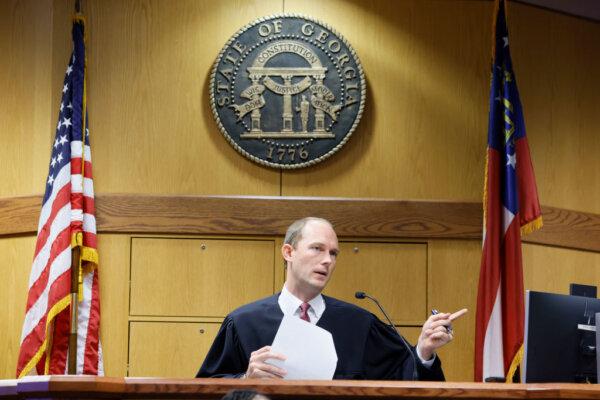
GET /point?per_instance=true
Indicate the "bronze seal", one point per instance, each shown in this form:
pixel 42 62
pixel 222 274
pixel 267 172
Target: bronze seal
pixel 287 91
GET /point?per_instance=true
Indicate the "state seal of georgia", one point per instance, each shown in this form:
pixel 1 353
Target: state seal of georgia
pixel 287 91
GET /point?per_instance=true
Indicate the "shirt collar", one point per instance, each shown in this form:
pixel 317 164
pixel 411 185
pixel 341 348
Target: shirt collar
pixel 290 305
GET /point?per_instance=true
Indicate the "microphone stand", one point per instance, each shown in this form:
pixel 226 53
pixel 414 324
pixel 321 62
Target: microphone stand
pixel 362 295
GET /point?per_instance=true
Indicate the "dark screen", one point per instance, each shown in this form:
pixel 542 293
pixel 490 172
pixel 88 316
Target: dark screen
pixel 555 349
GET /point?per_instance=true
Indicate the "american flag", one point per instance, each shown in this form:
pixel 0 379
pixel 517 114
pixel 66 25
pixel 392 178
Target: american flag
pixel 66 220
pixel 511 208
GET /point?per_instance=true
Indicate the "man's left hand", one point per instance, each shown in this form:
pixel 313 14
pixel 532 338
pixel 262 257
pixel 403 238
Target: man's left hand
pixel 436 332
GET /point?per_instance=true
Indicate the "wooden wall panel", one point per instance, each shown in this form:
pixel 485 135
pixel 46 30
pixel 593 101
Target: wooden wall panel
pixel 16 255
pixel 206 277
pixel 423 131
pixel 557 59
pixel 25 70
pixel 114 253
pixel 169 349
pixel 394 273
pixel 62 48
pixel 410 333
pixel 152 128
pixel 424 128
pixel 452 285
pixel 25 138
pixel 549 269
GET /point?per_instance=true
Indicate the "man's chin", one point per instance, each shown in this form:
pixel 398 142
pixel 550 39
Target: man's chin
pixel 320 283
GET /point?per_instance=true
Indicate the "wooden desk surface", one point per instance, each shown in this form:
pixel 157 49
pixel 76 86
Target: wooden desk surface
pixel 89 387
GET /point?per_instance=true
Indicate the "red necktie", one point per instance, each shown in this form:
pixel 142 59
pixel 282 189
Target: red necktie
pixel 304 311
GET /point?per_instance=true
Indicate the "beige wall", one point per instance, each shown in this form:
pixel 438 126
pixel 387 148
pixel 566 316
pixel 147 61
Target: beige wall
pixel 422 135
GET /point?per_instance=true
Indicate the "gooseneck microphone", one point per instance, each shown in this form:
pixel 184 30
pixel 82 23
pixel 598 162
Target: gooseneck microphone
pixel 362 295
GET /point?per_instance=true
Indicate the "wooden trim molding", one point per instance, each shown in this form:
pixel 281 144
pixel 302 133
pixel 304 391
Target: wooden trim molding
pixel 91 387
pixel 250 215
pixel 19 215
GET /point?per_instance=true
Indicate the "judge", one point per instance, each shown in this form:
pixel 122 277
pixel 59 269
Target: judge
pixel 366 347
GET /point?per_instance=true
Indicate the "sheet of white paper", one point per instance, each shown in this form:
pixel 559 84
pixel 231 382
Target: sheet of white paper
pixel 309 350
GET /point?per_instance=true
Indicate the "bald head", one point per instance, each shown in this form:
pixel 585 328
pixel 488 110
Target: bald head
pixel 294 231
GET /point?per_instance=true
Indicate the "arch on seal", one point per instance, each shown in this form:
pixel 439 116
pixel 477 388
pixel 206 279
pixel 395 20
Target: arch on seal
pixel 287 46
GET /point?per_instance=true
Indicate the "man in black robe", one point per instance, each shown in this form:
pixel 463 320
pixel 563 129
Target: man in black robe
pixel 366 347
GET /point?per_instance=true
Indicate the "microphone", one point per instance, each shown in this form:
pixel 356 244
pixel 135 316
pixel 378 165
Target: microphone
pixel 361 295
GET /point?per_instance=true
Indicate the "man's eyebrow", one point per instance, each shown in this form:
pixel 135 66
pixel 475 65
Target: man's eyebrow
pixel 317 243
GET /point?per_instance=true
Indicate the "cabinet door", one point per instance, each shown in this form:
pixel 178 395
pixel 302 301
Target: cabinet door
pixel 169 349
pixel 394 273
pixel 198 277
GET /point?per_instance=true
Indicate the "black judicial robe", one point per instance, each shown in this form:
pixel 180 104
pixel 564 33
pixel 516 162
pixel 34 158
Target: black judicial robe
pixel 366 347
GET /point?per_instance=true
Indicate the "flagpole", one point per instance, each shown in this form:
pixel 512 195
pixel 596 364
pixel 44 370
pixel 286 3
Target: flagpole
pixel 75 278
pixel 72 361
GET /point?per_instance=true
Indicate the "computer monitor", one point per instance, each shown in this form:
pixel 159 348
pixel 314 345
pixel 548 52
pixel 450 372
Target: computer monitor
pixel 577 289
pixel 560 338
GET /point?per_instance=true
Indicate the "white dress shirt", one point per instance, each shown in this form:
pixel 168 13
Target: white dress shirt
pixel 290 305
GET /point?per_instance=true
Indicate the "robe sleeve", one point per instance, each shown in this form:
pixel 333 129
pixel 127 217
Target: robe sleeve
pixel 226 358
pixel 387 358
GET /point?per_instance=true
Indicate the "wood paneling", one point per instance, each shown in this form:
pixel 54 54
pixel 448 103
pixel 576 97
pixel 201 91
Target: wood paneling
pixel 16 255
pixel 452 285
pixel 410 333
pixel 151 125
pixel 62 48
pixel 427 70
pixel 394 273
pixel 565 228
pixel 260 215
pixel 25 71
pixel 557 59
pixel 548 269
pixel 206 277
pixel 351 217
pixel 423 131
pixel 20 215
pixel 272 215
pixel 113 267
pixel 174 349
pixel 69 387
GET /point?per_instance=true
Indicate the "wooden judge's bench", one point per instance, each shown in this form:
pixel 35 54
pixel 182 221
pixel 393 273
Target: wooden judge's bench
pixel 88 387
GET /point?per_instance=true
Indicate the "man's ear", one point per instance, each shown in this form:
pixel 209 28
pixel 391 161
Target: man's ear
pixel 286 251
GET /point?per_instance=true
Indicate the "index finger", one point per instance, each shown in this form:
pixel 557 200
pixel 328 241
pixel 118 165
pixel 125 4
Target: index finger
pixel 457 314
pixel 272 355
pixel 261 350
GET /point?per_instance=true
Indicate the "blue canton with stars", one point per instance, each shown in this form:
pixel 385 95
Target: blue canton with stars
pixel 506 123
pixel 69 124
